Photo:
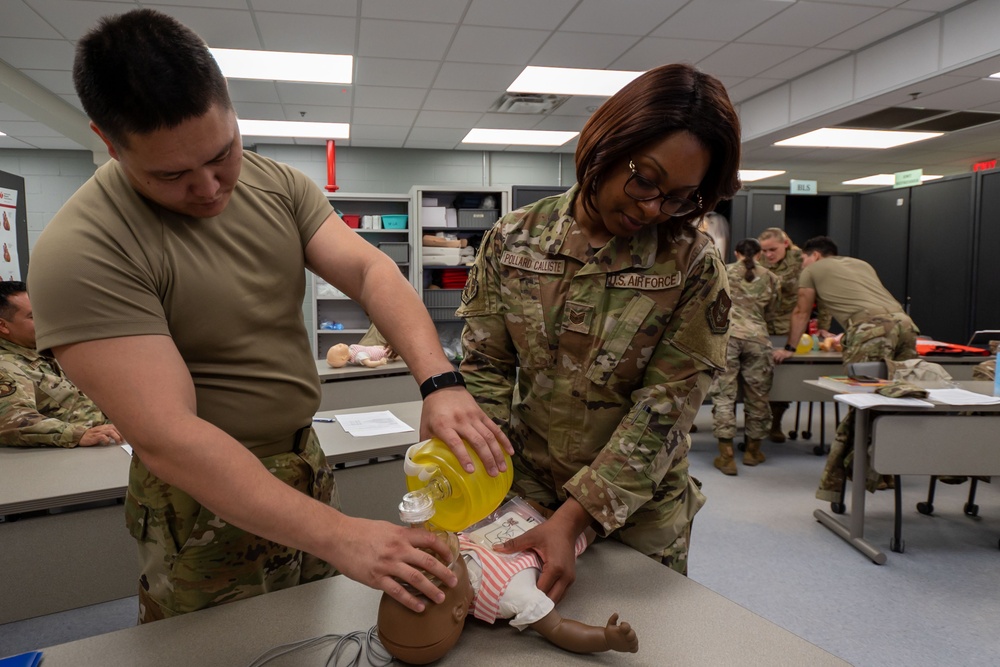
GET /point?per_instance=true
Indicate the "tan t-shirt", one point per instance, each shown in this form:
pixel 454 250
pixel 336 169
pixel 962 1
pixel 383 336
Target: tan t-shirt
pixel 848 286
pixel 227 289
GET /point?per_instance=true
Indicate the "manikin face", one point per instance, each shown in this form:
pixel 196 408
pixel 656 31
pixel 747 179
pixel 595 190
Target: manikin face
pixel 20 328
pixel 338 355
pixel 675 165
pixel 774 249
pixel 190 169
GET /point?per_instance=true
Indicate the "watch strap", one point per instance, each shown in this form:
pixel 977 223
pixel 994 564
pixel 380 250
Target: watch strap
pixel 789 347
pixel 441 381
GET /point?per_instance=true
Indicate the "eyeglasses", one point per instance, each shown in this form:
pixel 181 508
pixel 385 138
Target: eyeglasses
pixel 642 189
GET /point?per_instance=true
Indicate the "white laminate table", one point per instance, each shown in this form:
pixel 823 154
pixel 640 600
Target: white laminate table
pixel 677 620
pixel 358 386
pixel 943 440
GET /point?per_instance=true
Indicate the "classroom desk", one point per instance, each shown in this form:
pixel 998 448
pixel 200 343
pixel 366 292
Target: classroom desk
pixel 911 441
pixel 358 386
pixel 67 553
pixel 677 620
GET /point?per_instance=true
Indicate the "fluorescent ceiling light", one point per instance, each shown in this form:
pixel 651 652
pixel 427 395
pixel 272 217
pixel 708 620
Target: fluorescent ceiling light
pixel 294 128
pixel 570 81
pixel 750 175
pixel 995 75
pixel 839 137
pixel 886 179
pixel 478 135
pixel 285 66
pixel 3 134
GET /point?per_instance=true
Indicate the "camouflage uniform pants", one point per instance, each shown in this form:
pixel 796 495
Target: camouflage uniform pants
pixel 660 529
pixel 753 362
pixel 191 559
pixel 876 338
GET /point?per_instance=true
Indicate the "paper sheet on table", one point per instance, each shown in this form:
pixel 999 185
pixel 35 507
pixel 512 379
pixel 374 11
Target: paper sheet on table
pixel 877 400
pixel 956 396
pixel 360 424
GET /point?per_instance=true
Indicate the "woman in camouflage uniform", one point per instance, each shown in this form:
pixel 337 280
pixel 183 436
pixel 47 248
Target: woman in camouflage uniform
pixel 595 319
pixel 755 292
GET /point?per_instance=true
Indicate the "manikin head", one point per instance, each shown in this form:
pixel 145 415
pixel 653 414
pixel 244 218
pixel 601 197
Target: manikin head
pixel 422 638
pixel 338 355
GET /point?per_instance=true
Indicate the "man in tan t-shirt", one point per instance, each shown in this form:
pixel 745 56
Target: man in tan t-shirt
pixel 875 329
pixel 183 322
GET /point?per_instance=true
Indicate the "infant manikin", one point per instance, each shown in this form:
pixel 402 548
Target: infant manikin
pixel 506 585
pixel 361 355
pixel 493 585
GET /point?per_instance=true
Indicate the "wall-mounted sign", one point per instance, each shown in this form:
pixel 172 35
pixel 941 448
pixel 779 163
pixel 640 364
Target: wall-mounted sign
pixel 985 165
pixel 905 179
pixel 803 187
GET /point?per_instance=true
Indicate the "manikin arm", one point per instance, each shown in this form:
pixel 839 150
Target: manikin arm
pixel 579 637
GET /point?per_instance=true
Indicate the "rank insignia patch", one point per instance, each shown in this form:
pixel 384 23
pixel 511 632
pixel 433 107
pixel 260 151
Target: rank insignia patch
pixel 471 287
pixel 6 389
pixel 718 313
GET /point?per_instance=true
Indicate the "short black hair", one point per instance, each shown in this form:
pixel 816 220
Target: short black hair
pixel 9 288
pixel 824 245
pixel 141 71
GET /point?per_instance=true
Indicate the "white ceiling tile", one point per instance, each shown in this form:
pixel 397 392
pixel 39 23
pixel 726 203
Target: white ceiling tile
pixel 70 19
pixel 654 51
pixel 220 28
pixel 36 53
pixel 386 117
pixel 20 20
pixel 388 98
pixel 405 40
pixel 876 28
pixel 72 100
pixel 871 3
pixel 809 24
pixel 259 111
pixel 563 50
pixel 302 32
pixel 736 59
pixel 314 93
pixel 931 5
pixel 510 121
pixel 443 11
pixel 750 87
pixel 804 62
pixel 466 76
pixel 459 100
pixel 700 19
pixel 443 134
pixel 381 132
pixel 562 123
pixel 580 105
pixel 449 119
pixel 505 46
pixel 318 114
pixel 532 14
pixel 321 7
pixel 396 72
pixel 59 143
pixel 622 17
pixel 216 4
pixel 247 90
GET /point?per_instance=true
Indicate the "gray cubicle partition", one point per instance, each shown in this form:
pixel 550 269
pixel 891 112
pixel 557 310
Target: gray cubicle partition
pixel 883 236
pixel 986 283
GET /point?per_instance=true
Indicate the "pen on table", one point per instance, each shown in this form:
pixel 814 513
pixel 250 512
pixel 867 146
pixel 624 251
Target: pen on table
pixel 328 420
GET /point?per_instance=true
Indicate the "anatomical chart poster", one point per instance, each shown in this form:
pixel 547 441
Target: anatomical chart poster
pixel 10 268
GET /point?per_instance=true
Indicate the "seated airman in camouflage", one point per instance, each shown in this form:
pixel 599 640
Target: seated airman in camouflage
pixel 39 407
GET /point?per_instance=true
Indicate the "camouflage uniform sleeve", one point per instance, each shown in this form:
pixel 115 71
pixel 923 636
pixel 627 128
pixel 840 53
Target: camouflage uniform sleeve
pixel 21 424
pixel 489 362
pixel 773 308
pixel 652 439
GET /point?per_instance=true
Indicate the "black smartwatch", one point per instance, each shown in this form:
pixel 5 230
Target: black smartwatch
pixel 440 381
pixel 788 348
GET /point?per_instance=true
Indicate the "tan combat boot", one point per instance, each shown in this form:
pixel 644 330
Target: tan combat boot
pixel 724 461
pixel 752 456
pixel 776 434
